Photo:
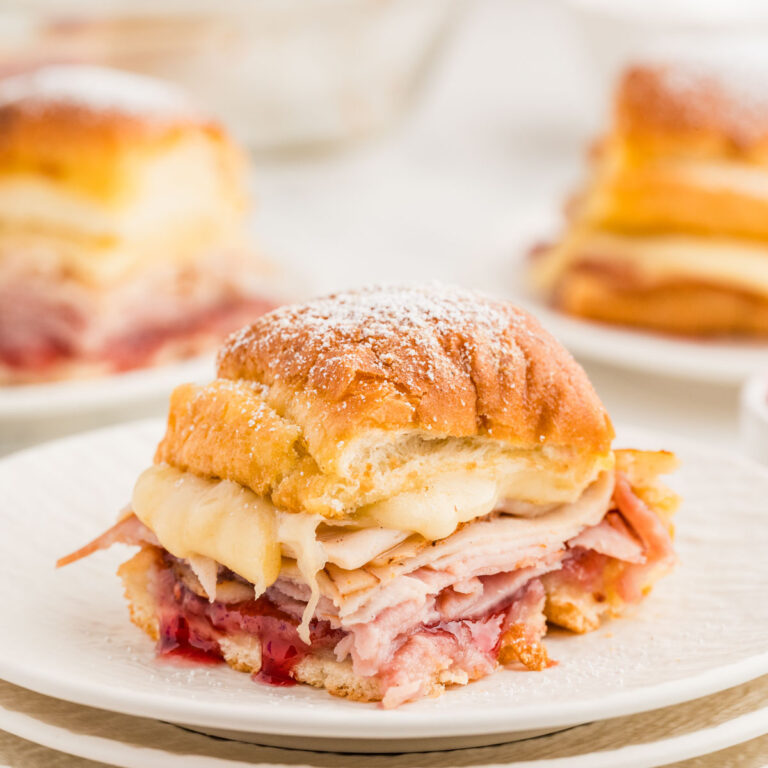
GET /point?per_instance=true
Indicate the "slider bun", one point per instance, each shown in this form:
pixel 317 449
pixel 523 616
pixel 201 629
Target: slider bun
pixel 681 134
pixel 695 109
pixel 104 175
pixel 680 306
pixel 92 129
pixel 353 398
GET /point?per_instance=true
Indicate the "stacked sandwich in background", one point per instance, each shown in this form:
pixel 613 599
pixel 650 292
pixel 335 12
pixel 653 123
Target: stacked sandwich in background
pixel 671 231
pixel 123 236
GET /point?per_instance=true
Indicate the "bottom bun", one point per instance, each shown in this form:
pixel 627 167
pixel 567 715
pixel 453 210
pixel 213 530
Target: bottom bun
pixel 686 308
pixel 243 652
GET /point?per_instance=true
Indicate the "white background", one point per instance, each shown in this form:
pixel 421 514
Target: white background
pixel 501 128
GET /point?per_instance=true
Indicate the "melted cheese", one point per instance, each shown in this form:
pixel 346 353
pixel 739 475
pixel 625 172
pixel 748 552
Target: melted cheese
pixel 206 571
pixel 729 262
pixel 208 522
pixel 437 511
pixel 218 519
pixel 740 178
pixel 297 533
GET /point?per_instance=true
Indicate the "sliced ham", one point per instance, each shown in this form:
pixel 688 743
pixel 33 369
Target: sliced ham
pixel 129 530
pixel 450 650
pixel 490 545
pixel 648 526
pixel 449 610
pixel 527 610
pixel 523 628
pixel 49 321
pixel 372 642
pixel 611 537
pixel 410 673
pixel 466 649
pixel 481 566
pixel 353 549
pixel 492 591
pixel 657 541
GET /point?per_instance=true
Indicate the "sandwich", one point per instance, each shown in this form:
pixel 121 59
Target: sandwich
pixel 670 233
pixel 388 492
pixel 123 236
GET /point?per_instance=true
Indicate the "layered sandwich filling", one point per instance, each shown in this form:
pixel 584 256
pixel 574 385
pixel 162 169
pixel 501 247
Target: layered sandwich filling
pixel 123 232
pixel 50 324
pixel 445 594
pixel 636 261
pixel 676 194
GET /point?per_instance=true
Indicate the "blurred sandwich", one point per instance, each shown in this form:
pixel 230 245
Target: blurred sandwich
pixel 388 492
pixel 671 230
pixel 122 226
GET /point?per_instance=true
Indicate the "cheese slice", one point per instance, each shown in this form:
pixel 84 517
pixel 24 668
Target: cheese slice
pixel 207 522
pixel 206 570
pixel 663 257
pixel 436 511
pixel 740 178
pixel 193 516
pixel 297 533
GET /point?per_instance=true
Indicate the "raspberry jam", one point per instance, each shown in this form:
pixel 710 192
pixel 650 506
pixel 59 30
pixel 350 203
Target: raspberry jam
pixel 278 658
pixel 177 643
pixel 190 628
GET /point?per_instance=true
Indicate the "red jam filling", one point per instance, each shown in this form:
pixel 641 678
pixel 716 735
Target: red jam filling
pixel 279 656
pixel 191 626
pixel 176 642
pixel 44 353
pixel 584 567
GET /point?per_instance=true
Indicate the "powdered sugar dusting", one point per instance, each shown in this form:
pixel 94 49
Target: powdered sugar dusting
pixel 447 359
pixel 97 88
pixel 729 89
pixel 389 327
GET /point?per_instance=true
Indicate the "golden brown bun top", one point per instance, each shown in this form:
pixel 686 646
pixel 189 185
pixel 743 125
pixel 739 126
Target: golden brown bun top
pixel 718 107
pixel 434 358
pixel 88 126
pixel 345 401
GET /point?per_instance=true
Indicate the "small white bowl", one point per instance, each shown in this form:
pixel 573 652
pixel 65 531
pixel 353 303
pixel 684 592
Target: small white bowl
pixel 754 417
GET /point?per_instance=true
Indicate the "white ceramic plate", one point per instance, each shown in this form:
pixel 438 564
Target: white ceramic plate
pixel 724 362
pixel 655 738
pixel 66 633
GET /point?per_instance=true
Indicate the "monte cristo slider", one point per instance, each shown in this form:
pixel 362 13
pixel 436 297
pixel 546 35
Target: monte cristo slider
pixel 123 226
pixel 385 493
pixel 670 232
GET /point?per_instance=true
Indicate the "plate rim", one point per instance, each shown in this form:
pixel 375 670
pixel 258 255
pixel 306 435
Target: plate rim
pixel 79 397
pixel 738 730
pixel 398 723
pixel 392 724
